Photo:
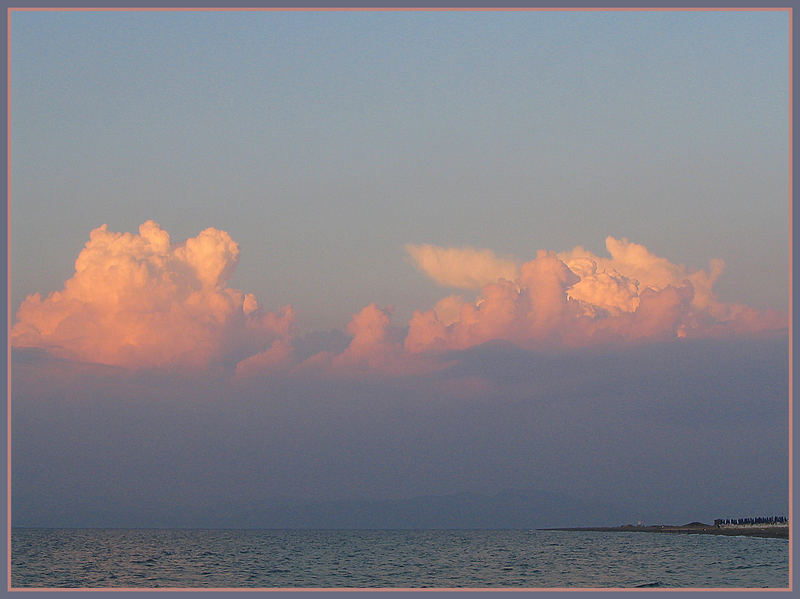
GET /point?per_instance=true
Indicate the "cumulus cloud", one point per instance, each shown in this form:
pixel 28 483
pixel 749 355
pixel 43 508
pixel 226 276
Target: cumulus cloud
pixel 533 307
pixel 577 298
pixel 612 283
pixel 464 268
pixel 615 282
pixel 138 300
pixel 376 348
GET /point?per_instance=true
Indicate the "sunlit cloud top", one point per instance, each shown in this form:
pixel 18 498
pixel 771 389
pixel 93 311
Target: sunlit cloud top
pixel 138 300
pixel 464 268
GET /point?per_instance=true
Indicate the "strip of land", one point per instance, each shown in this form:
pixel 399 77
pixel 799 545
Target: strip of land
pixel 772 532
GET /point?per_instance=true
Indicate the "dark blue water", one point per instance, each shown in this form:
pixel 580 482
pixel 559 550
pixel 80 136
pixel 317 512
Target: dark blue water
pixel 380 559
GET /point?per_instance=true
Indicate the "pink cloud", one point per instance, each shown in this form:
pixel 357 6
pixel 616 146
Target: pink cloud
pixel 578 299
pixel 465 268
pixel 140 301
pixel 611 283
pixel 376 349
pixel 615 283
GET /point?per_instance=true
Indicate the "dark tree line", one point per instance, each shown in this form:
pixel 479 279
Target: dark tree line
pixel 759 520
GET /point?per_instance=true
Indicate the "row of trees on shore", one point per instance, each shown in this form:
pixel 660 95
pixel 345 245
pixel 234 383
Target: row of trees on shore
pixel 751 521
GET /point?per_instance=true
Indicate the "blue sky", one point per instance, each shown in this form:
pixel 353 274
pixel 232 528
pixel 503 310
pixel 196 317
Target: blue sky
pixel 324 141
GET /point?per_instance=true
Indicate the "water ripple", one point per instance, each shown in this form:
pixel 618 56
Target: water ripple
pixel 114 558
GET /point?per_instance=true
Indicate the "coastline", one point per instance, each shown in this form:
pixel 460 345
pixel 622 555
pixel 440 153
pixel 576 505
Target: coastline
pixel 770 532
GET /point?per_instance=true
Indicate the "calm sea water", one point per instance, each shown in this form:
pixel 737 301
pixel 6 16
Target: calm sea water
pixel 399 558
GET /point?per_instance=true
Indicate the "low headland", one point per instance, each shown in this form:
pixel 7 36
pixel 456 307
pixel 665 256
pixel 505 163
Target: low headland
pixel 772 531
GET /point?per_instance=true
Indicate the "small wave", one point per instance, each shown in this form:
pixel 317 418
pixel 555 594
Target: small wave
pixel 657 583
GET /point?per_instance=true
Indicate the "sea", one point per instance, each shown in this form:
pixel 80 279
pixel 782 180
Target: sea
pixel 158 558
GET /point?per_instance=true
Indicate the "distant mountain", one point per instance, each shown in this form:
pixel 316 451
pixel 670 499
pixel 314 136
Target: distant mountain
pixel 506 509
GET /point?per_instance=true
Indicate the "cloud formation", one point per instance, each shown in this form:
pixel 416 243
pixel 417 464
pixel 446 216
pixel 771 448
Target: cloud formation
pixel 577 298
pixel 140 301
pixel 614 283
pixel 376 349
pixel 137 300
pixel 464 268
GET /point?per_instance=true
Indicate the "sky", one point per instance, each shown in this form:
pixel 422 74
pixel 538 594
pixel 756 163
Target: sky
pixel 264 257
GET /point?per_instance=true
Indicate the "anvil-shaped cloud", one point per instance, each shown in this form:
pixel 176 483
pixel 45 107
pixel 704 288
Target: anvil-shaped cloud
pixel 137 300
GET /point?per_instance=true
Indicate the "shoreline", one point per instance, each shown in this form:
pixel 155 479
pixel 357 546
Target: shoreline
pixel 770 532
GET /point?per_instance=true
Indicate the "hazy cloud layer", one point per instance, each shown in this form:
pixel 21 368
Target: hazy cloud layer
pixel 137 300
pixel 678 431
